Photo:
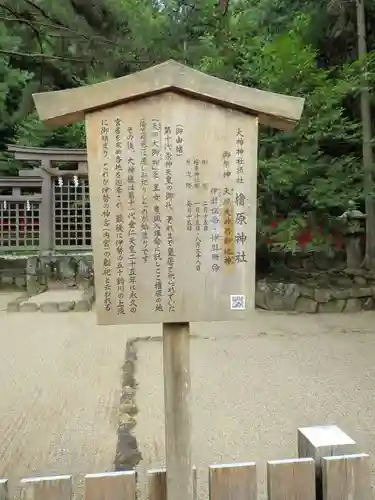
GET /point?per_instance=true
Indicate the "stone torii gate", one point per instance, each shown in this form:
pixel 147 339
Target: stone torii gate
pixel 172 161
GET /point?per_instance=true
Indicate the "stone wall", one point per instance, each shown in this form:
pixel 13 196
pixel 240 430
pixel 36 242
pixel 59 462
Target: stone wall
pixel 301 290
pixel 40 272
pixel 352 291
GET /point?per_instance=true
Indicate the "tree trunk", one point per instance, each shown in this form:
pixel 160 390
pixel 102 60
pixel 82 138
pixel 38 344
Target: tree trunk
pixel 369 261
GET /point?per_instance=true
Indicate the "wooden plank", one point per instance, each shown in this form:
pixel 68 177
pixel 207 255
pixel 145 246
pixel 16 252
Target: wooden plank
pixel 176 361
pixel 347 477
pixel 63 107
pixel 4 494
pixel 111 486
pixel 323 441
pixel 291 479
pixel 233 482
pixel 47 488
pixel 157 484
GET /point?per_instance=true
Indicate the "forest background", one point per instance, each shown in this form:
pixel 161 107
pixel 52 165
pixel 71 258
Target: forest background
pixel 307 177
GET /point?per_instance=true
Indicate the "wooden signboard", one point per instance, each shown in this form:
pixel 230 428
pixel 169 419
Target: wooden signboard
pixel 173 210
pixel 172 159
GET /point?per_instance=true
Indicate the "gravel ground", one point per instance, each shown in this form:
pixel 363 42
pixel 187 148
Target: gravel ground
pixel 253 387
pixel 60 386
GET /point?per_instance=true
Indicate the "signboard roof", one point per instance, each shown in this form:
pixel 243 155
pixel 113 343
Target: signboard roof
pixel 67 106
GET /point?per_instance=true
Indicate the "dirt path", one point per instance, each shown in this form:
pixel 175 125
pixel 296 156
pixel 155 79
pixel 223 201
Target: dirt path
pixel 254 386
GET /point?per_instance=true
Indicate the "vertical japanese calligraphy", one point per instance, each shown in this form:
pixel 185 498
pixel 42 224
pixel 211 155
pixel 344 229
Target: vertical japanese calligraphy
pixel 240 156
pixel 106 224
pixel 179 140
pixel 197 173
pixel 241 216
pixel 189 175
pixel 169 196
pixel 132 223
pixel 226 164
pixel 215 235
pixel 120 230
pixel 157 222
pixel 198 240
pixel 144 188
pixel 228 224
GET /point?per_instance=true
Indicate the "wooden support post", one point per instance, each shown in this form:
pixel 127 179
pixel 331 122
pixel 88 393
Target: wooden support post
pixel 292 479
pixel 4 495
pixel 47 488
pixel 176 361
pixel 323 441
pixel 111 486
pixel 347 477
pixel 157 484
pixel 236 481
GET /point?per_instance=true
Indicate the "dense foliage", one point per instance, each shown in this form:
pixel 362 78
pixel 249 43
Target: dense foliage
pixel 301 47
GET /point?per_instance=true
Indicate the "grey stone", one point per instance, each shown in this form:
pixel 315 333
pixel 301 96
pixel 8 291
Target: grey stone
pixel 66 267
pixel 7 279
pixel 84 270
pixel 294 261
pixel 89 294
pixel 32 266
pixel 307 291
pixel 368 304
pixel 344 281
pixel 353 305
pixel 322 295
pixel 32 284
pixel 66 306
pixel 13 306
pixel 129 408
pixel 358 292
pixel 333 306
pixel 306 305
pixel 323 261
pixel 341 293
pixel 82 306
pixel 360 280
pixel 20 281
pixel 48 307
pixel 355 271
pixel 260 294
pixel 281 296
pixel 308 264
pixel 29 307
pixel 127 421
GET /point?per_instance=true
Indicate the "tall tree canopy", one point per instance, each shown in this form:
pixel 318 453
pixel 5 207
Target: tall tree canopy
pixel 299 47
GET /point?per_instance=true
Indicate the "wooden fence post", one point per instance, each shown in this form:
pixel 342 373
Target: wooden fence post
pixel 157 484
pixel 233 482
pixel 4 495
pixel 47 488
pixel 292 479
pixel 111 486
pixel 347 477
pixel 323 441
